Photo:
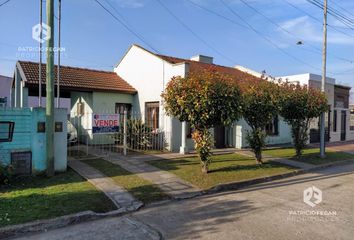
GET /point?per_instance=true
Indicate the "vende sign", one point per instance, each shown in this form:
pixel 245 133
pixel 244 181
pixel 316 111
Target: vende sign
pixel 105 123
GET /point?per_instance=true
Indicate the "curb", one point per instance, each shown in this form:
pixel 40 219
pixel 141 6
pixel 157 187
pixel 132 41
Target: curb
pixel 242 184
pixel 332 164
pixel 60 222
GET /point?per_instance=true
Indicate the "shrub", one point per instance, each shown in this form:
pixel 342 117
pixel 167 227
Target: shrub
pixel 259 106
pixel 204 99
pixel 139 135
pixel 298 105
pixel 6 173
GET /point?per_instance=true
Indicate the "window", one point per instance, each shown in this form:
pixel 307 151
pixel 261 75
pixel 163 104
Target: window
pixel 121 107
pixel 152 114
pixel 352 120
pixel 272 129
pixel 334 120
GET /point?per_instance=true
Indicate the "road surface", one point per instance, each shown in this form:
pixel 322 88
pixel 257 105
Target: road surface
pixel 273 210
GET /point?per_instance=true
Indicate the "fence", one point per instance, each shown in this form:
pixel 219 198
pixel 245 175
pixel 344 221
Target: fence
pixel 108 133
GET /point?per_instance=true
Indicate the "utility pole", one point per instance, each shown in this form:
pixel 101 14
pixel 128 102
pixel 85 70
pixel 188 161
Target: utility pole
pixel 49 128
pixel 59 38
pixel 324 59
pixel 40 55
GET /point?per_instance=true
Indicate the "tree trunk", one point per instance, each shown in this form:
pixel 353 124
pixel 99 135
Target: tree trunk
pixel 205 167
pixel 259 157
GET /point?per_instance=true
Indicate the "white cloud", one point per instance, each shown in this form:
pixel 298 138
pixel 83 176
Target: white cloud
pixel 308 30
pixel 129 3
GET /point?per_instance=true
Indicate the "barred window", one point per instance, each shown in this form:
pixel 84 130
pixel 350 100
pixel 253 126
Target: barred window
pixel 272 129
pixel 152 111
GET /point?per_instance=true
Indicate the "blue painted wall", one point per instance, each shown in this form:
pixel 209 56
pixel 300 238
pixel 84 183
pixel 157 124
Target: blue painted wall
pixel 26 137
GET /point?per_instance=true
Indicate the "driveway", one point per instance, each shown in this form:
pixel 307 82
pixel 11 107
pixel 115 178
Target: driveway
pixel 265 211
pixel 347 147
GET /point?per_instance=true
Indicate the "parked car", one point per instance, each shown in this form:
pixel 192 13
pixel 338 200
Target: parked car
pixel 72 133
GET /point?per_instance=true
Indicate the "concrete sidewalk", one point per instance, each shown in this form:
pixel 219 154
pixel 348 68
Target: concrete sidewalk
pixel 111 228
pixel 119 196
pixel 285 161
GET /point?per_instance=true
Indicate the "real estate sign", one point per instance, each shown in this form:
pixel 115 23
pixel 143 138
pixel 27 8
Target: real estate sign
pixel 105 123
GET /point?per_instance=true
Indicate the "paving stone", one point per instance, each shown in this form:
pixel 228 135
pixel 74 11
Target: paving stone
pixel 119 196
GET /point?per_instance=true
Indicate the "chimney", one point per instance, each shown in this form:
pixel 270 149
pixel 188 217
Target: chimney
pixel 203 59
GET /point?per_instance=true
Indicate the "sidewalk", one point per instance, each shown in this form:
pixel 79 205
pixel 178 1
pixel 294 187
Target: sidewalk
pixel 119 196
pixel 285 161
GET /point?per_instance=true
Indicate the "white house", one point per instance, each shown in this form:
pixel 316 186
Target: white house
pixel 338 120
pixel 149 73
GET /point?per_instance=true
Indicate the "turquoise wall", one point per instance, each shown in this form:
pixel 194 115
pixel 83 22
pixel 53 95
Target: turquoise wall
pixel 95 102
pixel 22 132
pixel 26 137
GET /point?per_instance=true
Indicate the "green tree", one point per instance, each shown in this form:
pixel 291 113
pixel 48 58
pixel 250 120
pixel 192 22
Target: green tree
pixel 298 105
pixel 203 99
pixel 260 105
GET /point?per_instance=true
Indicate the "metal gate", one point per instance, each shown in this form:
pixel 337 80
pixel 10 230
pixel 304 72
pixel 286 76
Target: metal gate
pixel 110 133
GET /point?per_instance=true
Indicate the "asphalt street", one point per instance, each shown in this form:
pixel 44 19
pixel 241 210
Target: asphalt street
pixel 273 210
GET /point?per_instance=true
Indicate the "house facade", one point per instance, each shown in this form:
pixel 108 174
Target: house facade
pixel 85 92
pixel 136 85
pixel 149 73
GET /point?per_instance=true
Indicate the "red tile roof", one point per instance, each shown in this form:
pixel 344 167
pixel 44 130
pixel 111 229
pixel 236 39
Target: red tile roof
pixel 80 79
pixel 195 66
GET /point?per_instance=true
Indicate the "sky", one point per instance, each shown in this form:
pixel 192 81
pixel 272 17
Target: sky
pixel 258 34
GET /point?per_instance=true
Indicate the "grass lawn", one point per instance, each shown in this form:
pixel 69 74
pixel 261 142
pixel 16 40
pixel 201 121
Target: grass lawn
pixel 310 155
pixel 140 188
pixel 31 198
pixel 223 169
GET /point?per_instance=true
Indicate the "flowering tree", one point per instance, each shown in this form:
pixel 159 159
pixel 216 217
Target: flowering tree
pixel 298 105
pixel 259 107
pixel 204 99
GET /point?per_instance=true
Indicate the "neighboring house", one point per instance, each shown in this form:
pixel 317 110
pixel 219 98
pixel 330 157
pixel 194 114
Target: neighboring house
pixel 89 91
pixel 339 122
pixel 5 91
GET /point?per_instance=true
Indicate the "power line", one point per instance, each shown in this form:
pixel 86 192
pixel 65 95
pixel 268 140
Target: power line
pixel 216 13
pixel 290 33
pixel 194 33
pixel 335 28
pixel 342 8
pixel 126 26
pixel 2 4
pixel 266 38
pixel 334 13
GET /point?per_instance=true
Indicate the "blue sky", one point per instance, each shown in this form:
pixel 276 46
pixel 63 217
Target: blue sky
pixel 93 39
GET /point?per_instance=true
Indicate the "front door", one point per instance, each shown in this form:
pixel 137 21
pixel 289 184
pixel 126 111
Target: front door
pixel 343 131
pixel 219 136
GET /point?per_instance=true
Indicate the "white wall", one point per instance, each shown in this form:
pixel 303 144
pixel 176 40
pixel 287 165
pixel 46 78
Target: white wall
pixel 5 88
pixel 283 137
pixel 149 74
